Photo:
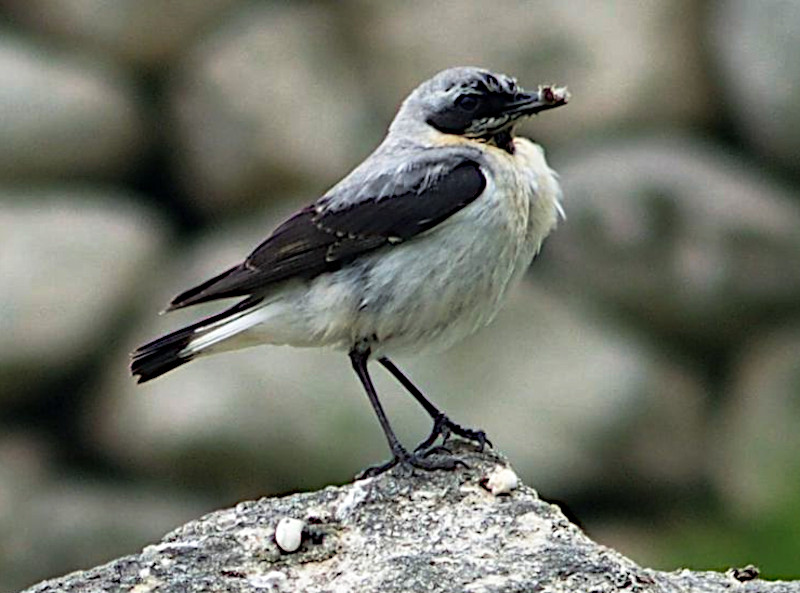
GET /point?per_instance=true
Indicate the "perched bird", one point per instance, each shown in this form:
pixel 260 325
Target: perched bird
pixel 416 248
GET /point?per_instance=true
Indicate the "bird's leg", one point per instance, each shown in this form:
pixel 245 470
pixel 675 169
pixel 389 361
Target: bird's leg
pixel 442 425
pixel 399 454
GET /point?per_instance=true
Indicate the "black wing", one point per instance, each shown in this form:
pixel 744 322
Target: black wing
pixel 323 237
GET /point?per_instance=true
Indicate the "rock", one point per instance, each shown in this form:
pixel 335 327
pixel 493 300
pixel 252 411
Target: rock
pixel 259 109
pixel 754 47
pixel 402 531
pixel 141 32
pixel 249 420
pixel 690 242
pixel 630 65
pixel 757 464
pixel 64 115
pixel 71 264
pixel 50 524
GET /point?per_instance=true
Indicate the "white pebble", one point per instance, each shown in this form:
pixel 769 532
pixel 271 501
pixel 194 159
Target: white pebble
pixel 289 534
pixel 502 481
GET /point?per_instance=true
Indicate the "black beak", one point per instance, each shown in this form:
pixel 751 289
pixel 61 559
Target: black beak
pixel 547 97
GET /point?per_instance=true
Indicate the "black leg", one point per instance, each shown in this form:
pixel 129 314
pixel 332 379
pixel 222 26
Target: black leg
pixel 442 425
pixel 399 454
pixel 359 361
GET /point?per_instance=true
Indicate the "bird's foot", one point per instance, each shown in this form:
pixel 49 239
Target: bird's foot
pixel 445 428
pixel 436 458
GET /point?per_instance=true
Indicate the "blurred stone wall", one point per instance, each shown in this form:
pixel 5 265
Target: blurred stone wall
pixel 647 374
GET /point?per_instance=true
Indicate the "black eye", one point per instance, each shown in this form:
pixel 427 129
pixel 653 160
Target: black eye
pixel 467 102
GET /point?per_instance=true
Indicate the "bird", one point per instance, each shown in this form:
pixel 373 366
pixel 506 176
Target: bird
pixel 410 252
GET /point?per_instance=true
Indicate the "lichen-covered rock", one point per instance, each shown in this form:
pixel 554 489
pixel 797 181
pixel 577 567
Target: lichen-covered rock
pixel 400 532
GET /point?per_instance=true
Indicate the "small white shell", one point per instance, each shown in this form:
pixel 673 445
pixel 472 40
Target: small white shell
pixel 502 480
pixel 289 534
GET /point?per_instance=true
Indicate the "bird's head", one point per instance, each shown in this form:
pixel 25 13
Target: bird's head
pixel 474 103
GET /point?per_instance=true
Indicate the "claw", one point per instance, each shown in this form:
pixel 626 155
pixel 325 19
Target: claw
pixel 437 450
pixel 445 428
pixel 440 428
pixel 376 470
pixel 418 460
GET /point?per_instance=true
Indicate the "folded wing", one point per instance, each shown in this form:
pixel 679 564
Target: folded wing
pixel 388 209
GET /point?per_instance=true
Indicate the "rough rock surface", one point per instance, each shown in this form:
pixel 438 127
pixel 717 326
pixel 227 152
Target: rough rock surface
pixel 442 531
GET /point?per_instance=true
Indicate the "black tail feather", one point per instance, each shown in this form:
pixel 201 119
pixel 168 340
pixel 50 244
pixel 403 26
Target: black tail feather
pixel 156 358
pixel 164 354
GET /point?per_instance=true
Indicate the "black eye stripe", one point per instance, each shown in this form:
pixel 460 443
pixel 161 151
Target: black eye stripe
pixel 474 105
pixel 469 102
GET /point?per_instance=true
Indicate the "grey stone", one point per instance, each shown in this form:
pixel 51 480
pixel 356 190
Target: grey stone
pixel 757 432
pixel 140 32
pixel 755 47
pixel 626 63
pixel 247 419
pixel 264 104
pixel 51 523
pixel 71 264
pixel 400 532
pixel 64 114
pixel 687 239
